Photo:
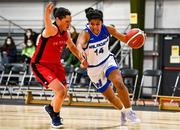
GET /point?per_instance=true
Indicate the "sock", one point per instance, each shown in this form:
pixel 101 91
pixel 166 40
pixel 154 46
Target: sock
pixel 123 109
pixel 50 106
pixel 56 113
pixel 128 109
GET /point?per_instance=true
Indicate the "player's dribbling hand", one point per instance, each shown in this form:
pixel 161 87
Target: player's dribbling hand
pixel 84 63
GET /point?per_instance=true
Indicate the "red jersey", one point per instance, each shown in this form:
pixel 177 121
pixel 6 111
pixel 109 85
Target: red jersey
pixel 49 50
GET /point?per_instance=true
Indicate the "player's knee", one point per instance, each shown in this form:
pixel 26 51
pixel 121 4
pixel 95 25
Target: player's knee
pixel 119 84
pixel 61 93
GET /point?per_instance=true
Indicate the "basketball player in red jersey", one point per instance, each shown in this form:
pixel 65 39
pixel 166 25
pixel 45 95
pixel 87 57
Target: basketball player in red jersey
pixel 45 62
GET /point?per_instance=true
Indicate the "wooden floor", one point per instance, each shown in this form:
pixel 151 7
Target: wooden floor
pixel 20 117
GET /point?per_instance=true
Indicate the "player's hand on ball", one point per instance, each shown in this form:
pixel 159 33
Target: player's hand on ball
pixel 135 38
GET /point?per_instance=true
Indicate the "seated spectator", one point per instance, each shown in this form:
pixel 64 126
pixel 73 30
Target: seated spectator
pixel 28 51
pixel 29 34
pixel 30 38
pixel 74 34
pixel 8 51
pixel 72 60
pixel 66 52
pixel 65 55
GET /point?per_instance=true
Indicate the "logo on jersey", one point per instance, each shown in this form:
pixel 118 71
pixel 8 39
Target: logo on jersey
pixel 55 43
pixel 50 77
pixel 59 45
pixel 98 84
pixel 99 44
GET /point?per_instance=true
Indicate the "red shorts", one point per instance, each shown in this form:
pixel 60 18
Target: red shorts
pixel 45 73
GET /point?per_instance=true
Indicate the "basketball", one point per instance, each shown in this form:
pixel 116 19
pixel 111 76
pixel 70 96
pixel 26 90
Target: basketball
pixel 135 38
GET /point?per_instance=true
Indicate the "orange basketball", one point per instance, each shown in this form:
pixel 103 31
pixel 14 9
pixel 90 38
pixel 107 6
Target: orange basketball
pixel 135 38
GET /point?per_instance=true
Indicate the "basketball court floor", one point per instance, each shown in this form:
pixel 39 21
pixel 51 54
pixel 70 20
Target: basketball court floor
pixel 32 117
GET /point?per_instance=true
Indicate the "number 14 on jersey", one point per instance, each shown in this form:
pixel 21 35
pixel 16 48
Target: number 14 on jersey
pixel 98 51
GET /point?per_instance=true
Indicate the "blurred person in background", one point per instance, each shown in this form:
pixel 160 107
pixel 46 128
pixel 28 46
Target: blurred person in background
pixel 8 51
pixel 66 52
pixel 30 35
pixel 28 50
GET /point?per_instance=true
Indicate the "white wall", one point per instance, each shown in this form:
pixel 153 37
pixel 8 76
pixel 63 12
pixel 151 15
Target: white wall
pixel 171 14
pixel 21 11
pixel 77 9
pixel 149 14
pixel 28 14
pixel 24 14
pixel 117 13
pixel 110 9
pixel 168 16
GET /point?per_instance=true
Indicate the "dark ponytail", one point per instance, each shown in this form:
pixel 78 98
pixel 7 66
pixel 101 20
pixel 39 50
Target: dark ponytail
pixel 61 12
pixel 93 14
pixel 88 9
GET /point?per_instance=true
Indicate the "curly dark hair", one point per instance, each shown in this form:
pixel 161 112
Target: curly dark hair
pixel 93 14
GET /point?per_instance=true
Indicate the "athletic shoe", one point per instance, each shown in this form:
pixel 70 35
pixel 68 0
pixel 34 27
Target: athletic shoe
pixel 56 119
pixel 123 119
pixel 57 122
pixel 131 115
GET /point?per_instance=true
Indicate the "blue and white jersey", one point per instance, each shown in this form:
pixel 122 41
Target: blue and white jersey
pixel 97 48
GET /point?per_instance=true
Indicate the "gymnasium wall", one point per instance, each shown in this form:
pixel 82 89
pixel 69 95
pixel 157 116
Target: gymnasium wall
pixel 30 15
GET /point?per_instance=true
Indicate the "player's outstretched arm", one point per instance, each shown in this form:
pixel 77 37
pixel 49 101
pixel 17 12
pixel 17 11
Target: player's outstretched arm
pixel 50 29
pixel 113 31
pixel 76 52
pixel 82 42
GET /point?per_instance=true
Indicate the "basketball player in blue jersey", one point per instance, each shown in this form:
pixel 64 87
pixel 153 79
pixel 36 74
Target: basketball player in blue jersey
pixel 103 71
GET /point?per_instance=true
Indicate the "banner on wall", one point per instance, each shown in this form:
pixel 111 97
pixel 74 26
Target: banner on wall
pixel 175 57
pixel 133 18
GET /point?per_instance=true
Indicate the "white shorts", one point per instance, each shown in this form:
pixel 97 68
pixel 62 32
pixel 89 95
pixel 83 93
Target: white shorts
pixel 99 75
